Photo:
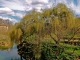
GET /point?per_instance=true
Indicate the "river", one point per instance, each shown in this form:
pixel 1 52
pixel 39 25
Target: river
pixel 9 54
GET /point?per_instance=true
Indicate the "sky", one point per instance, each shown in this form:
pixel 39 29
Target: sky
pixel 14 10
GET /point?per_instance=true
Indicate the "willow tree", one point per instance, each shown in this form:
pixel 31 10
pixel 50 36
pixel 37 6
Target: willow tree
pixel 15 33
pixel 56 22
pixel 62 22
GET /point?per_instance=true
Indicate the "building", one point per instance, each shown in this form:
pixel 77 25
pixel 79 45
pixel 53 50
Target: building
pixel 3 28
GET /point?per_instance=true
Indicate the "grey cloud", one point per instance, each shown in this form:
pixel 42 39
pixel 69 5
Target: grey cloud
pixel 13 4
pixel 6 10
pixel 34 3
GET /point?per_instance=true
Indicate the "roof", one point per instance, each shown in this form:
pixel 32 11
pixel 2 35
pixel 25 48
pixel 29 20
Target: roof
pixel 3 25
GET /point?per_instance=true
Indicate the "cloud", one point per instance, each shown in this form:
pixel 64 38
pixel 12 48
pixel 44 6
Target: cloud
pixel 28 2
pixel 12 7
pixel 36 2
pixel 19 15
pixel 28 8
pixel 6 10
pixel 13 4
pixel 75 8
pixel 28 5
pixel 39 4
pixel 41 1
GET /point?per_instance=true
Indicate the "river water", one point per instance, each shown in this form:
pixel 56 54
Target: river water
pixel 9 54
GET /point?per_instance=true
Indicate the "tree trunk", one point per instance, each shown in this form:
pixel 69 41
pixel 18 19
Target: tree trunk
pixel 56 41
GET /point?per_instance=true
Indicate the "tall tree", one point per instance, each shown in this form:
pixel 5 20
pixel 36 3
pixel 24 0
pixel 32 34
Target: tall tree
pixel 57 22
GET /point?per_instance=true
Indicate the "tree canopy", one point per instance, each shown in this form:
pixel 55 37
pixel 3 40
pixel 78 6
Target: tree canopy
pixel 57 22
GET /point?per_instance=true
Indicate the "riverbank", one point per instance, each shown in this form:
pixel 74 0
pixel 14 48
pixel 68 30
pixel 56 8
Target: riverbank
pixel 5 41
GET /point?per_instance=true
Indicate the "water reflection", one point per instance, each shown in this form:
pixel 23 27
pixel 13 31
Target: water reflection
pixel 9 54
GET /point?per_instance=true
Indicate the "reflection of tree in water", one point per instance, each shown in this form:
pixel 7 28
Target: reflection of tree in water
pixel 25 50
pixel 5 42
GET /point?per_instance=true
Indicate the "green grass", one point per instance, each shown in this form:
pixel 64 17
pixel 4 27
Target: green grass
pixel 69 48
pixel 77 52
